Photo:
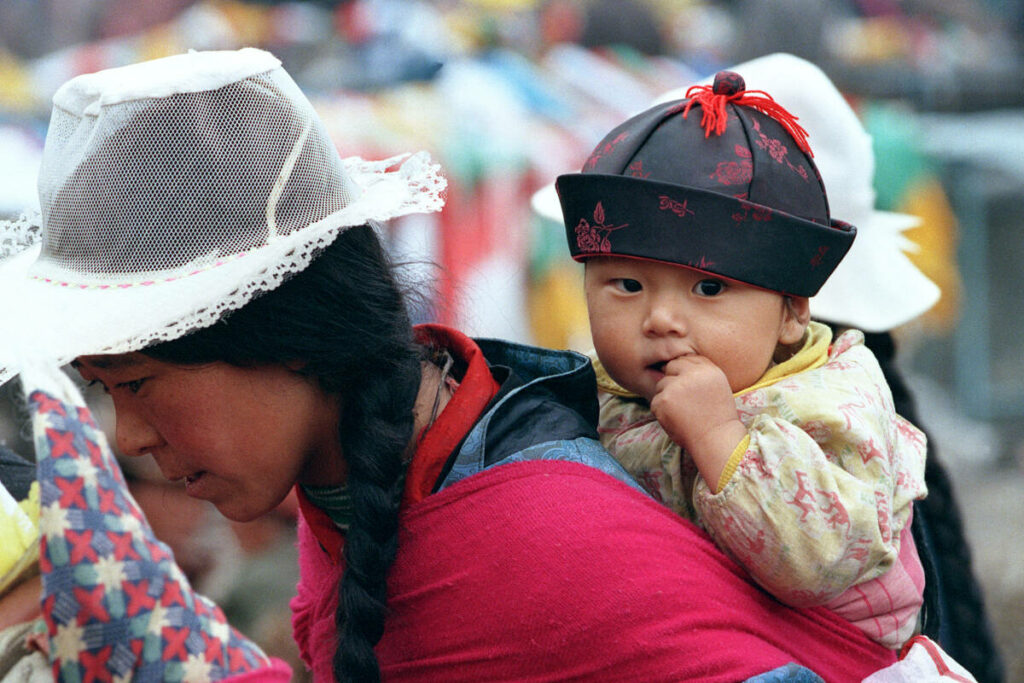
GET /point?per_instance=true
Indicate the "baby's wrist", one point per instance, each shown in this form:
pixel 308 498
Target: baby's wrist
pixel 712 451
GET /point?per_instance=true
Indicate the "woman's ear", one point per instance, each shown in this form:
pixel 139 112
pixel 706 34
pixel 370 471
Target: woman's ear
pixel 796 315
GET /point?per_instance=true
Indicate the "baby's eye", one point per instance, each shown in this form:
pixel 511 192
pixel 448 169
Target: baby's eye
pixel 628 285
pixel 709 287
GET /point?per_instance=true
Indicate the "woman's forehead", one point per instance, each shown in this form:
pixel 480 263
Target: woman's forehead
pixel 117 361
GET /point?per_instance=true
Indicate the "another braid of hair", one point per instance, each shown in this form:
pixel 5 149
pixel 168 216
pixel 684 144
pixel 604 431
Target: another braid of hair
pixel 970 640
pixel 375 431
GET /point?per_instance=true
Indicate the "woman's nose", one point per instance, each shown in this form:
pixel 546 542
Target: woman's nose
pixel 135 436
pixel 664 317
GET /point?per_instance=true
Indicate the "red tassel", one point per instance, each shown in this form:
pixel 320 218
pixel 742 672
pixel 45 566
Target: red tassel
pixel 714 115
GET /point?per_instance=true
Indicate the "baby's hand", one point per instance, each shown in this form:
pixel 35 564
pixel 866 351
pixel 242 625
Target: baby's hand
pixel 695 406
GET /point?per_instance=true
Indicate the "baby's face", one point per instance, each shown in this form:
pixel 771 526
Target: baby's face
pixel 644 313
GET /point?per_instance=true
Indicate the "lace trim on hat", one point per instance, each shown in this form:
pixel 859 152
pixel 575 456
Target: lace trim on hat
pixel 423 186
pixel 21 233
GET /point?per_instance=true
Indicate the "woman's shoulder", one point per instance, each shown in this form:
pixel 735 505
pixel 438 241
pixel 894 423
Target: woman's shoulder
pixel 574 486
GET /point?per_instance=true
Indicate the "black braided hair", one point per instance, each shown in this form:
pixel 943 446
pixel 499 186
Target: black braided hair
pixel 344 320
pixel 961 627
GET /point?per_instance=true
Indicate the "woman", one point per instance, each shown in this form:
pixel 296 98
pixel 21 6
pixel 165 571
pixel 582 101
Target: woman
pixel 219 268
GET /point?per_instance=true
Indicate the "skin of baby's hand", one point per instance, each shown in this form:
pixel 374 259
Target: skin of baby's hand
pixel 695 406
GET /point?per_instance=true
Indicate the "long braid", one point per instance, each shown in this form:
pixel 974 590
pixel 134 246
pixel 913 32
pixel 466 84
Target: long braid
pixel 344 318
pixel 965 630
pixel 375 431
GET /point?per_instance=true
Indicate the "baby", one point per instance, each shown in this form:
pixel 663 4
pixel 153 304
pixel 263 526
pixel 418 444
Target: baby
pixel 703 241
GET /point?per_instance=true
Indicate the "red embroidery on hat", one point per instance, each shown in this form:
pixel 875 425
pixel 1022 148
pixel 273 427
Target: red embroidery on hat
pixel 594 238
pixel 751 211
pixel 603 150
pixel 777 150
pixel 816 261
pixel 678 208
pixel 636 170
pixel 733 172
pixel 702 264
pixel 676 108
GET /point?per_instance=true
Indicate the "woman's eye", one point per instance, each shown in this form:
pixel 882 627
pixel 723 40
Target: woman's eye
pixel 132 386
pixel 103 386
pixel 628 285
pixel 709 287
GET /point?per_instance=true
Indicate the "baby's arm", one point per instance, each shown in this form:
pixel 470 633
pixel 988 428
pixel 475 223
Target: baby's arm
pixel 824 487
pixel 695 406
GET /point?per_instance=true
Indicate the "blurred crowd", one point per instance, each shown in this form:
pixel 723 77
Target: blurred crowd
pixel 508 94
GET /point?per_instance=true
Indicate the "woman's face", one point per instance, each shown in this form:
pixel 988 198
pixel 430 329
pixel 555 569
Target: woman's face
pixel 237 437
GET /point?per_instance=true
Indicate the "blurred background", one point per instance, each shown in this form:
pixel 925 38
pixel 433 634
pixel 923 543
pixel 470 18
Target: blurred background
pixel 507 94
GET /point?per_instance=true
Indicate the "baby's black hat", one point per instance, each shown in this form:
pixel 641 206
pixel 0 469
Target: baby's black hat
pixel 735 195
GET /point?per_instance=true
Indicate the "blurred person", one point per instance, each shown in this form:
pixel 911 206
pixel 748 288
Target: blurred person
pixel 797 27
pixel 622 23
pixel 559 21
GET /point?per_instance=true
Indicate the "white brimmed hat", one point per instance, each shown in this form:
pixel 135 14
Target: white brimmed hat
pixel 173 191
pixel 876 287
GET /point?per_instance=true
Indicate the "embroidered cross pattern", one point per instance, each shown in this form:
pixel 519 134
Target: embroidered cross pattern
pixel 116 605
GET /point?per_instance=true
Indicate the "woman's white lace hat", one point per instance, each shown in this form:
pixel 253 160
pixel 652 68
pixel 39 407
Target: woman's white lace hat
pixel 172 192
pixel 876 287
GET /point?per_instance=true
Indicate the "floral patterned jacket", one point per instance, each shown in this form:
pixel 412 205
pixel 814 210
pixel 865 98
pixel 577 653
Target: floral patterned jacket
pixel 816 502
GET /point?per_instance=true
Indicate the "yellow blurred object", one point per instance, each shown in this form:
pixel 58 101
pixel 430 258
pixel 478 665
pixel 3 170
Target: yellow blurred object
pixel 937 238
pixel 16 93
pixel 19 537
pixel 558 310
pixel 872 40
pixel 160 41
pixel 250 23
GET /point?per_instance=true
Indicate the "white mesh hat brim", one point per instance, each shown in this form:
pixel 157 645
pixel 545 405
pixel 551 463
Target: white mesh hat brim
pixel 46 319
